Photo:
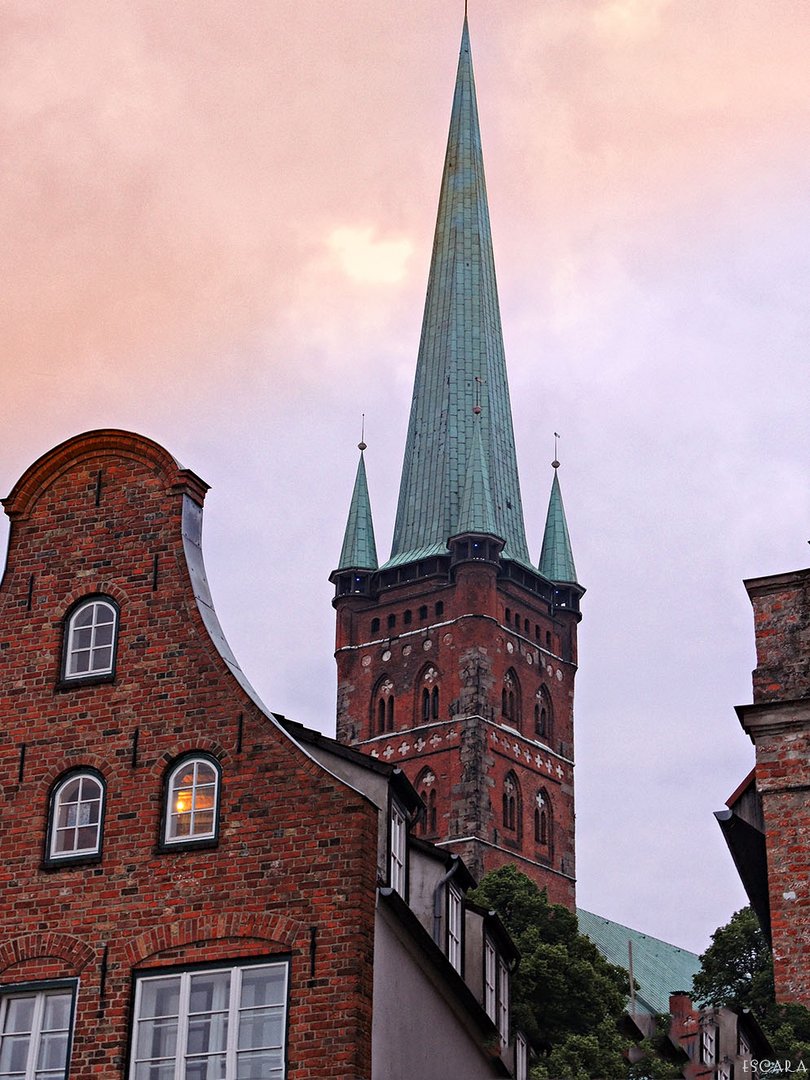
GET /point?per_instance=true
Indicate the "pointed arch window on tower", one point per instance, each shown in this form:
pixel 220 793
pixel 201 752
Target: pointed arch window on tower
pixel 383 709
pixel 426 789
pixel 511 804
pixel 543 714
pixel 543 820
pixel 429 694
pixel 510 699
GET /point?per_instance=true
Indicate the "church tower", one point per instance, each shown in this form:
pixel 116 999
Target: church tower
pixel 456 657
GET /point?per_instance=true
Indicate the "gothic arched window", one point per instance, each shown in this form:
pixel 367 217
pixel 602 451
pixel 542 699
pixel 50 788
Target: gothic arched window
pixel 510 699
pixel 427 689
pixel 382 714
pixel 426 788
pixel 543 714
pixel 543 820
pixel 511 803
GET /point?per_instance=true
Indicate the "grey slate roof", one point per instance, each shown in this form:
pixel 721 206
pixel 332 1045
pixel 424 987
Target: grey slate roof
pixel 460 357
pixel 658 967
pixel 359 552
pixel 556 557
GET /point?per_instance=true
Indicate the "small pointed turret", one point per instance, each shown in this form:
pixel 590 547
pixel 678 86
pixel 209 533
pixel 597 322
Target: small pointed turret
pixel 461 357
pixel 359 552
pixel 556 558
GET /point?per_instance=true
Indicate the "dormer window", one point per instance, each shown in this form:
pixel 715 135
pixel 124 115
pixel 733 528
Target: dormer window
pixel 192 801
pixel 455 922
pixel 398 837
pixel 90 639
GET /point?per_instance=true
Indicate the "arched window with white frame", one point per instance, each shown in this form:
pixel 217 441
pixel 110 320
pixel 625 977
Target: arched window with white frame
pixel 90 639
pixel 192 801
pixel 77 807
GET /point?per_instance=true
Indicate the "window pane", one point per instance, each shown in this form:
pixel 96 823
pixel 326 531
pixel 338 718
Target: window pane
pixel 263 986
pixel 52 1051
pixel 56 1016
pixel 204 797
pixel 14 1053
pixel 213 1068
pixel 104 634
pixel 209 992
pixel 206 773
pixel 85 616
pixel 80 663
pixel 20 1014
pixel 157 1039
pixel 204 823
pixel 154 1072
pixel 208 1034
pixel 261 1029
pixel 82 639
pixel 262 1066
pixel 102 658
pixel 160 997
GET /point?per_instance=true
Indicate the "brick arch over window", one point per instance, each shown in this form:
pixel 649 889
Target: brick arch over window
pixel 382 706
pixel 427 702
pixel 512 817
pixel 543 821
pixel 428 824
pixel 543 715
pixel 71 951
pixel 510 699
pixel 279 930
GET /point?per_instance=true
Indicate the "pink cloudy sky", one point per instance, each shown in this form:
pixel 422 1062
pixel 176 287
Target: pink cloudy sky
pixel 216 223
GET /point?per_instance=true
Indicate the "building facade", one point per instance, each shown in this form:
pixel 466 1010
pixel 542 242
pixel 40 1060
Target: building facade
pixel 767 822
pixel 456 658
pixel 190 889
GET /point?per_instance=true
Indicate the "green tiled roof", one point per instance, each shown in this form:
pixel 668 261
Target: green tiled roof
pixel 359 552
pixel 461 360
pixel 556 557
pixel 476 514
pixel 659 968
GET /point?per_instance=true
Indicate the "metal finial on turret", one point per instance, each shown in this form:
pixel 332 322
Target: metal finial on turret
pixel 361 446
pixel 555 463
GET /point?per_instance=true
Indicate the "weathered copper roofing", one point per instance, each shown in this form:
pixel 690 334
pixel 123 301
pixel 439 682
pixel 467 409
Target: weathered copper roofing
pixel 461 361
pixel 556 557
pixel 359 552
pixel 477 514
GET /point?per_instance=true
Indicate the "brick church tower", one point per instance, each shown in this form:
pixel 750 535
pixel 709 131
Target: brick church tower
pixel 456 657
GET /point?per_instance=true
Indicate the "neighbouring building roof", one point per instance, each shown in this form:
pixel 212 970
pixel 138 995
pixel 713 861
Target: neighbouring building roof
pixel 658 967
pixel 461 361
pixel 556 557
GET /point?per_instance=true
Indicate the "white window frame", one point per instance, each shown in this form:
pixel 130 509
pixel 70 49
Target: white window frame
pixel 172 811
pixel 184 1018
pixel 398 848
pixel 490 980
pixel 503 1001
pixel 56 829
pixel 455 924
pixel 521 1057
pixel 36 1033
pixel 708 1043
pixel 99 605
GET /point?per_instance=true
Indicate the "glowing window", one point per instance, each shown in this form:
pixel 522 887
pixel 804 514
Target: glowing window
pixel 90 643
pixel 75 823
pixel 193 794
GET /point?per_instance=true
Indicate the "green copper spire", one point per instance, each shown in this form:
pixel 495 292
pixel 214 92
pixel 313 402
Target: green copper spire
pixel 477 514
pixel 359 552
pixel 556 558
pixel 461 359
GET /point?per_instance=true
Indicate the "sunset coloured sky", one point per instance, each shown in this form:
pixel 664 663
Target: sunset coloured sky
pixel 217 221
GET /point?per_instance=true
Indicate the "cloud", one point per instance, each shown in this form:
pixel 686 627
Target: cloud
pixel 367 259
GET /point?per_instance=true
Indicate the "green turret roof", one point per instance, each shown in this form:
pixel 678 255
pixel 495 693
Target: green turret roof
pixel 359 552
pixel 477 514
pixel 461 361
pixel 556 558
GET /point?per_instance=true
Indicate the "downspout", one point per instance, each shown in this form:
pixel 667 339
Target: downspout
pixel 437 899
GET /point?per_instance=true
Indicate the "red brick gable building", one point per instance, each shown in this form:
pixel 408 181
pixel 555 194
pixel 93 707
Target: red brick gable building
pixel 188 889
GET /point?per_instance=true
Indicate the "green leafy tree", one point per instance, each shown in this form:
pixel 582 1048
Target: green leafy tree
pixel 737 970
pixel 565 996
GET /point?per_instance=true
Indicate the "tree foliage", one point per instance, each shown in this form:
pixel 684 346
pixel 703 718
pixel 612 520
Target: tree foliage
pixel 565 996
pixel 737 970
